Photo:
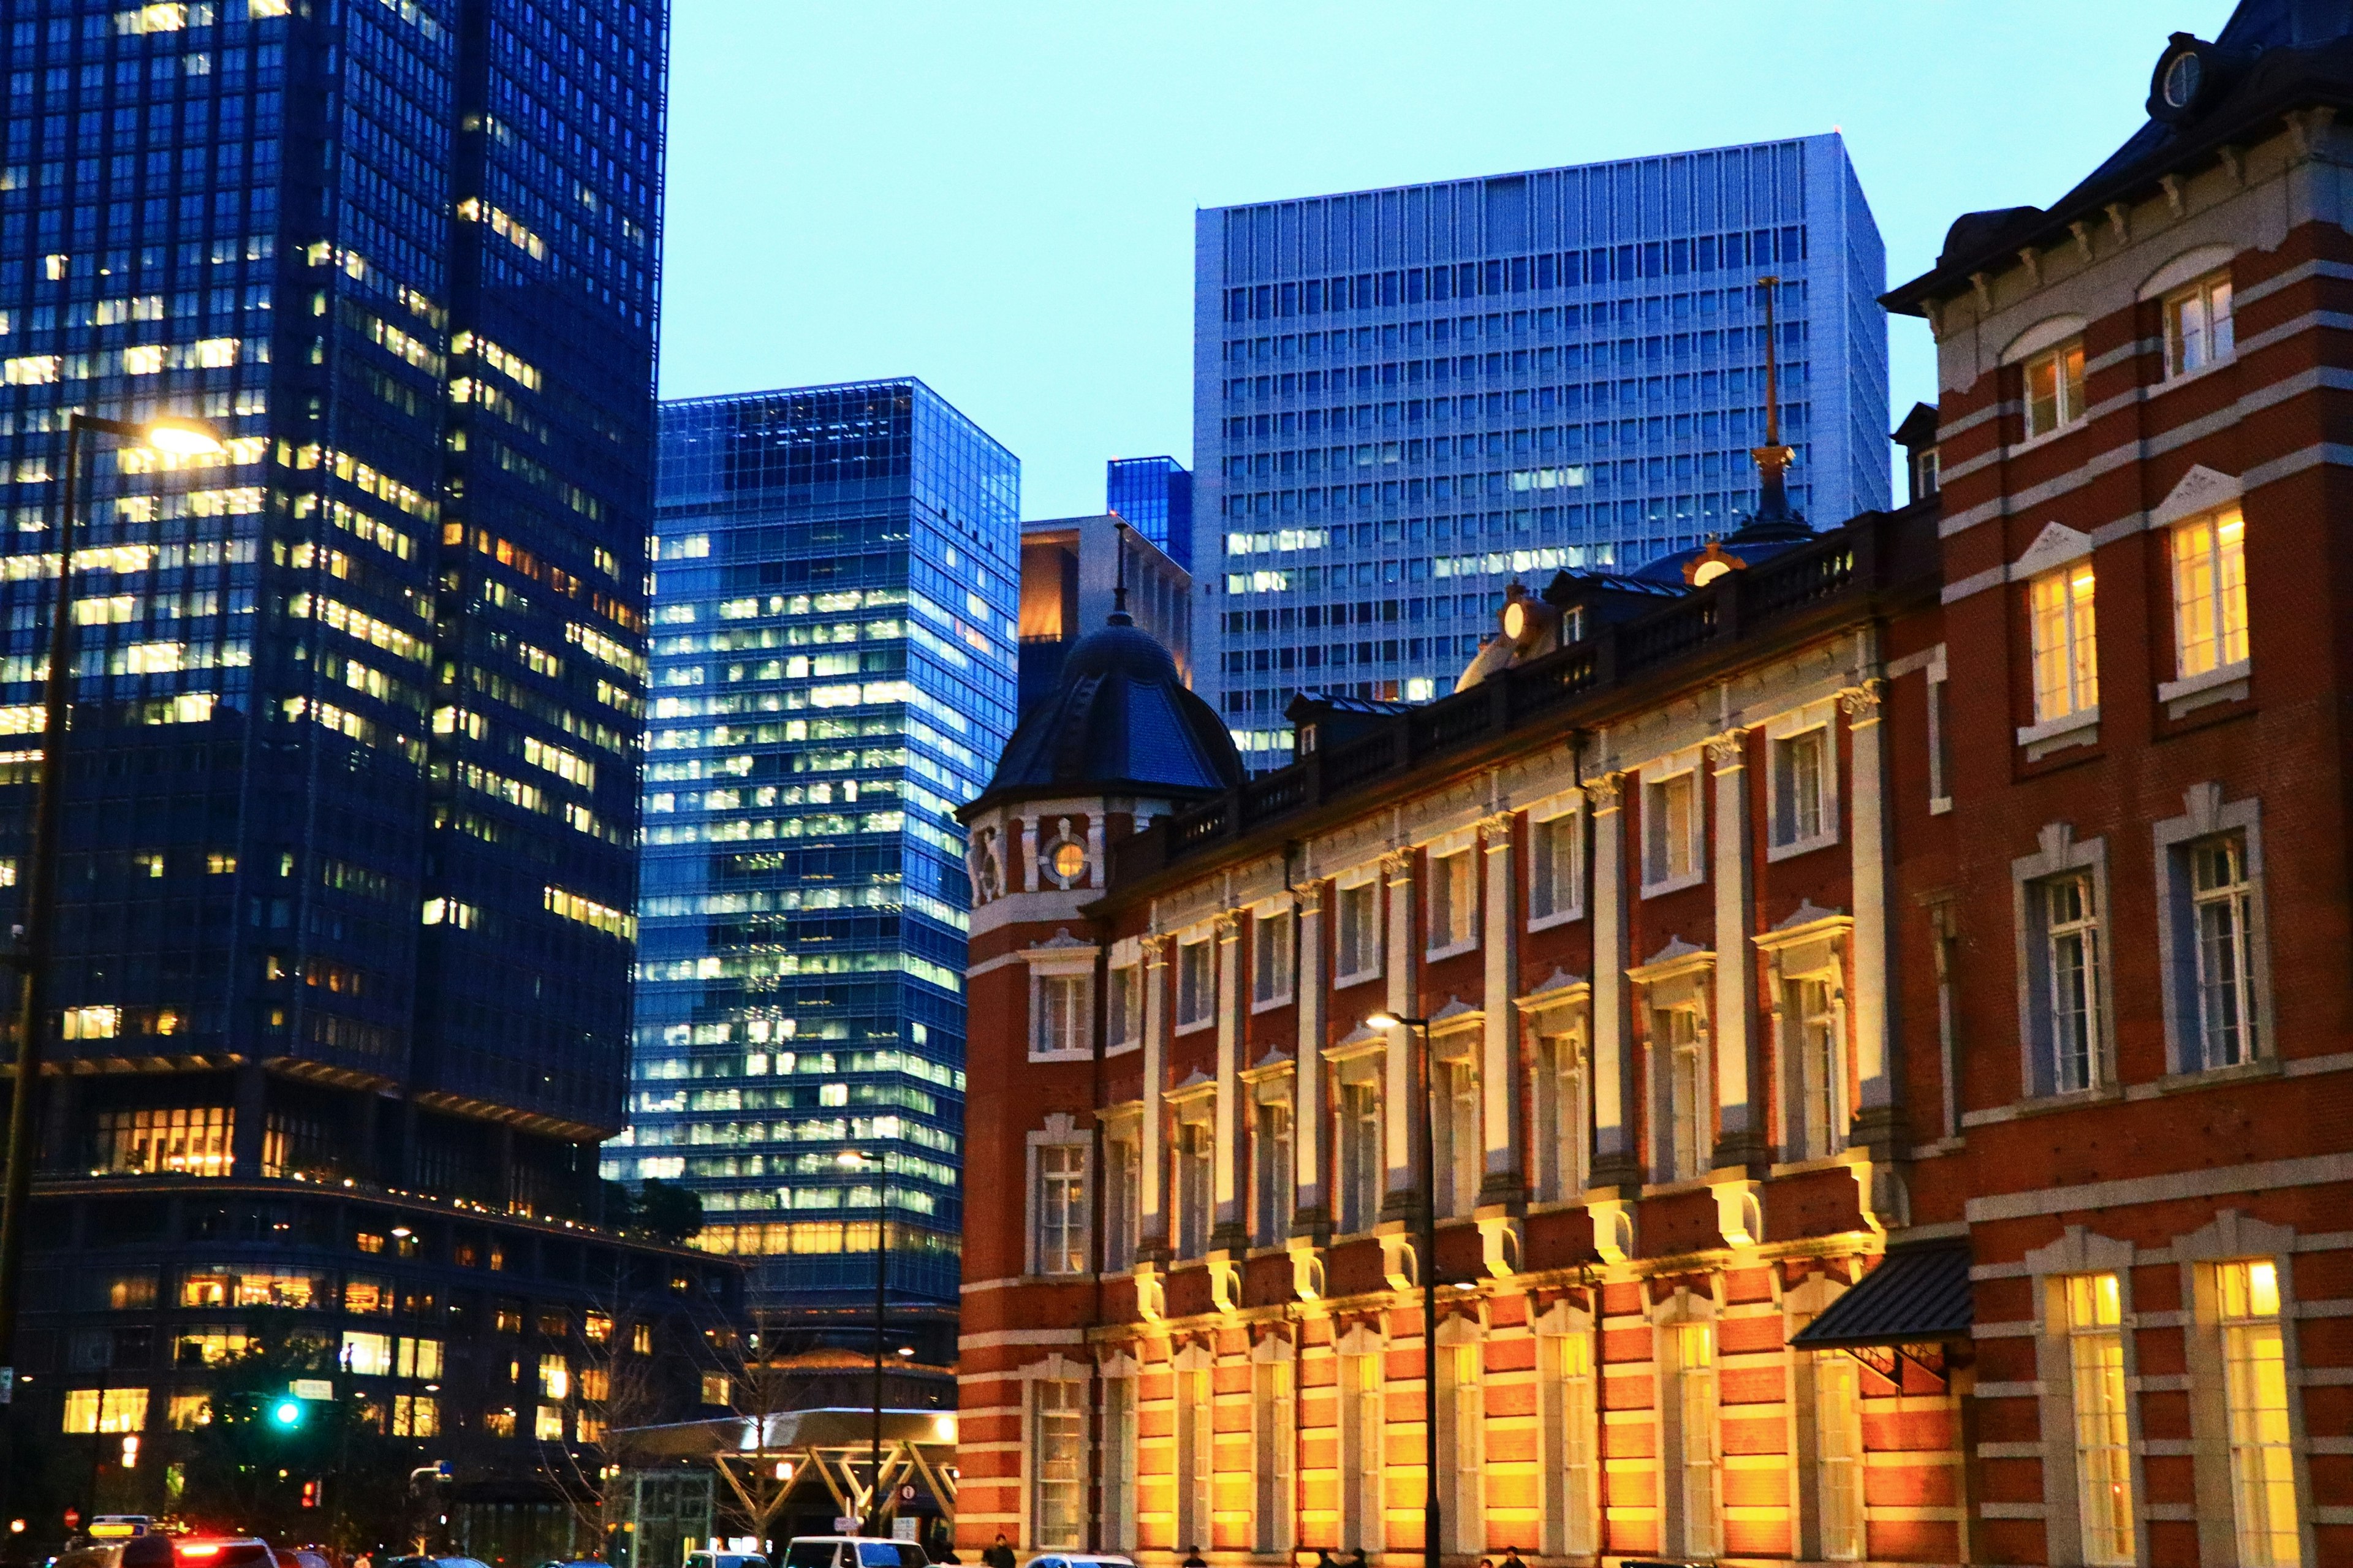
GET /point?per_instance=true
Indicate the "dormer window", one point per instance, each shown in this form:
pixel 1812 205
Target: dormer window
pixel 2198 331
pixel 2054 388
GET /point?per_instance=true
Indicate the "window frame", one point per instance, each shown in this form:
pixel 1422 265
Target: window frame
pixel 1568 1411
pixel 1123 1006
pixel 1192 1217
pixel 1201 940
pixel 1838 1477
pixel 1066 1140
pixel 1122 1190
pixel 1451 860
pixel 2218 329
pixel 2207 818
pixel 1550 823
pixel 2082 1341
pixel 1273 1192
pixel 1658 875
pixel 1455 1110
pixel 1364 884
pixel 2074 656
pixel 1782 734
pixel 1274 926
pixel 1359 1159
pixel 2069 405
pixel 1561 1133
pixel 2032 875
pixel 2223 599
pixel 1034 1493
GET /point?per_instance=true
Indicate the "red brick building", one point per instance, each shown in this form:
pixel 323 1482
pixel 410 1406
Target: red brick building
pixel 1882 994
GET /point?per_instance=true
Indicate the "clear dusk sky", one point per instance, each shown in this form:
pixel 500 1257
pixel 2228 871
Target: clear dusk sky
pixel 998 198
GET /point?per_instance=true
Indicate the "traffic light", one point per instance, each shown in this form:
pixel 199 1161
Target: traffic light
pixel 310 1494
pixel 286 1413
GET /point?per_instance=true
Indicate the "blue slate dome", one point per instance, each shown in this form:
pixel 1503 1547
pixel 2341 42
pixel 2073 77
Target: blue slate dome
pixel 1122 721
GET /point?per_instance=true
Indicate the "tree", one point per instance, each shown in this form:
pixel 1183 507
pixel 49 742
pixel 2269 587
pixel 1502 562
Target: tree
pixel 667 1211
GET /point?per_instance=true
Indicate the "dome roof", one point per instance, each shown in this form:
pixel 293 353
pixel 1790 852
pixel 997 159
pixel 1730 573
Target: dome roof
pixel 1755 541
pixel 1122 721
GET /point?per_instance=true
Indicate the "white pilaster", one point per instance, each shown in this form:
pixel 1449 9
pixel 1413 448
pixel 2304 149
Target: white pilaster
pixel 1615 1157
pixel 1499 1072
pixel 1153 1226
pixel 1738 1103
pixel 1226 1169
pixel 1030 854
pixel 1307 1113
pixel 1874 1069
pixel 1397 1105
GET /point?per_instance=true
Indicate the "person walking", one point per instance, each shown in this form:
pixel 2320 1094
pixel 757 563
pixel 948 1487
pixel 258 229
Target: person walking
pixel 999 1553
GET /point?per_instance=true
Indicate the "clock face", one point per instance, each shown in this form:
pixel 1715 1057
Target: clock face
pixel 2182 80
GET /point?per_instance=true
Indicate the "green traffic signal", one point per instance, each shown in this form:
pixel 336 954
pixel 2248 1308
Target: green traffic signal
pixel 286 1415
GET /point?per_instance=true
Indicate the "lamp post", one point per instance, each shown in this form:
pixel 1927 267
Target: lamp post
pixel 855 1160
pixel 174 437
pixel 1427 1173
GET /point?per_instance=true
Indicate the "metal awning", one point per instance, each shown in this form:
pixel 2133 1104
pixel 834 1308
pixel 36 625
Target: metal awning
pixel 1917 1295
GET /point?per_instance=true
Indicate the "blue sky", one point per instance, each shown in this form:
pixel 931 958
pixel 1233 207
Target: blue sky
pixel 999 197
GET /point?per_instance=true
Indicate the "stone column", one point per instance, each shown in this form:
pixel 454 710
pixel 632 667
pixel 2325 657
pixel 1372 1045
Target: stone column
pixel 1739 1103
pixel 1229 1228
pixel 1312 1210
pixel 1504 1178
pixel 1616 1160
pixel 1400 1118
pixel 1879 1123
pixel 1152 1222
pixel 1030 854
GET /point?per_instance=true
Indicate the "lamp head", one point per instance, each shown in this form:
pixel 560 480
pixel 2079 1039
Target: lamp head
pixel 1385 1020
pixel 181 437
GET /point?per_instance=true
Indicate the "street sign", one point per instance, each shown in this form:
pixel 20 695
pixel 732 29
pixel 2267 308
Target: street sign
pixel 843 1524
pixel 312 1388
pixel 907 1494
pixel 904 1529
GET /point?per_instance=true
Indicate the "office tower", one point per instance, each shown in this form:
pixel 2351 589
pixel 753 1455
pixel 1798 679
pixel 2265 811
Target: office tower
pixel 1155 496
pixel 835 653
pixel 353 784
pixel 1075 571
pixel 1405 399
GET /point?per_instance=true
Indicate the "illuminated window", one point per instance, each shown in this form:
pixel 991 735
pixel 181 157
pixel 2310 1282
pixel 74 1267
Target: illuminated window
pixel 1571 1407
pixel 192 1140
pixel 1196 1454
pixel 1363 1428
pixel 187 1412
pixel 1692 1346
pixel 2209 594
pixel 2054 389
pixel 1057 1461
pixel 1462 1420
pixel 367 1355
pixel 1838 1425
pixel 106 1410
pixel 1062 1208
pixel 555 1378
pixel 2255 1384
pixel 547 1423
pixel 2066 646
pixel 2095 1361
pixel 714 1388
pixel 1274 1435
pixel 2198 327
pixel 420 1416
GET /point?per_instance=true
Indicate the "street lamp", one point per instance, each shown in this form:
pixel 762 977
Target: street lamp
pixel 1428 1269
pixel 853 1158
pixel 174 437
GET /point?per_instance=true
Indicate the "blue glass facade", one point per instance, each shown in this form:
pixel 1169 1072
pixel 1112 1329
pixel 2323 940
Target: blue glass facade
pixel 1155 496
pixel 834 665
pixel 1405 398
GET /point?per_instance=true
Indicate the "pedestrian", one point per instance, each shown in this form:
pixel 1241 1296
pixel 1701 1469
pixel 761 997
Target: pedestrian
pixel 1193 1558
pixel 1356 1559
pixel 999 1553
pixel 1511 1558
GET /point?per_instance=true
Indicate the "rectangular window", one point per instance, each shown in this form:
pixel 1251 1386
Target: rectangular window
pixel 2054 389
pixel 1271 958
pixel 1062 1021
pixel 1675 1047
pixel 1273 1430
pixel 1821 1067
pixel 2066 664
pixel 1565 1365
pixel 1695 1435
pixel 367 1355
pixel 106 1410
pixel 1119 1464
pixel 1194 1145
pixel 1359 932
pixel 1557 867
pixel 1123 1017
pixel 420 1416
pixel 2198 330
pixel 1463 1423
pixel 2209 594
pixel 1801 787
pixel 1271 1174
pixel 1196 984
pixel 2071 958
pixel 1460 1155
pixel 2262 1453
pixel 1453 901
pixel 2222 904
pixel 1122 1203
pixel 1561 1123
pixel 1364 1422
pixel 1360 1156
pixel 2096 1365
pixel 1195 1457
pixel 1838 1426
pixel 1057 1462
pixel 1672 829
pixel 1062 1208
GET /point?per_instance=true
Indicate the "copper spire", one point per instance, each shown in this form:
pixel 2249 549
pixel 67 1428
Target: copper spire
pixel 1772 458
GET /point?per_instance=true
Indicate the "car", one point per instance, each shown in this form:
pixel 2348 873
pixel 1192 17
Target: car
pixel 307 1557
pixel 696 1560
pixel 126 1550
pixel 223 1552
pixel 1082 1560
pixel 852 1551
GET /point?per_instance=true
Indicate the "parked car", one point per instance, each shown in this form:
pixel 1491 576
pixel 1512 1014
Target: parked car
pixel 696 1560
pixel 852 1551
pixel 223 1552
pixel 1082 1560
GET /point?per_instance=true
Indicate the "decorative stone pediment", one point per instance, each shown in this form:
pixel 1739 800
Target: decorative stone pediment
pixel 2055 546
pixel 2199 489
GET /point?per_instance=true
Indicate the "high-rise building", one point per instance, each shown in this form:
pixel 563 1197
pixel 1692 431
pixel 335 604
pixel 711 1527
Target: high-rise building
pixel 1155 496
pixel 1077 571
pixel 1405 398
pixel 350 800
pixel 834 654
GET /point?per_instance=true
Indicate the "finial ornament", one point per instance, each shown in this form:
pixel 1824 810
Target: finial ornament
pixel 1861 703
pixel 1772 458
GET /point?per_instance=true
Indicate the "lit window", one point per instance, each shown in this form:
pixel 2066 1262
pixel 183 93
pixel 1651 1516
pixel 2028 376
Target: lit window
pixel 1062 1021
pixel 547 1423
pixel 2096 1363
pixel 2262 1455
pixel 1555 867
pixel 367 1355
pixel 1695 1434
pixel 420 1416
pixel 1801 793
pixel 1359 932
pixel 1461 1418
pixel 1566 1367
pixel 106 1410
pixel 1271 958
pixel 2072 961
pixel 555 1377
pixel 1838 1423
pixel 715 1388
pixel 1062 1208
pixel 1274 1445
pixel 2198 331
pixel 1364 1427
pixel 1057 1462
pixel 1453 901
pixel 2209 594
pixel 2054 389
pixel 1672 829
pixel 2067 668
pixel 2222 900
pixel 1196 1453
pixel 1197 986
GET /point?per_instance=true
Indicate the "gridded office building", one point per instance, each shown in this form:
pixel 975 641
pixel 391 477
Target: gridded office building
pixel 835 656
pixel 1405 399
pixel 1154 496
pixel 351 799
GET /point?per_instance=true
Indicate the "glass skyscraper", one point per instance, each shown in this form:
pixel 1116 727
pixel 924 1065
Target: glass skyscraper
pixel 1406 398
pixel 834 665
pixel 351 793
pixel 1154 496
